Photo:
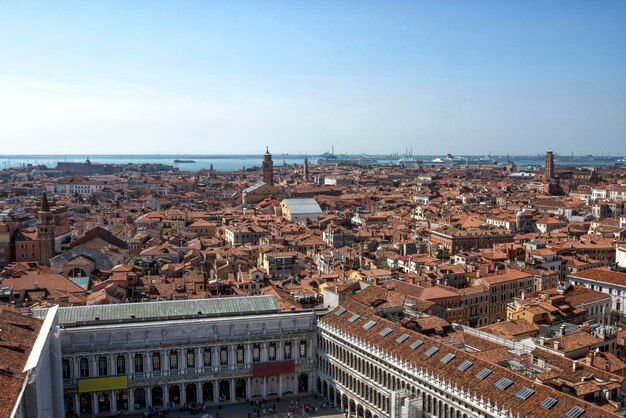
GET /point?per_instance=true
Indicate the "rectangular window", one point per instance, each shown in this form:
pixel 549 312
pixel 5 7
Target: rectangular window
pixel 303 349
pixel 206 356
pixel 256 353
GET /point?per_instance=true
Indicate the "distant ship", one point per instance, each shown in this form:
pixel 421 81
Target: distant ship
pixel 184 161
pixel 407 161
pixel 448 161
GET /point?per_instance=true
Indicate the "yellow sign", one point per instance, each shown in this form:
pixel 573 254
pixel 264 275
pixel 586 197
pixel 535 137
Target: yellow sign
pixel 102 383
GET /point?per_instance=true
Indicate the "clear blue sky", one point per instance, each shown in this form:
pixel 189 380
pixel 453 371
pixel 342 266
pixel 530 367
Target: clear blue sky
pixel 466 77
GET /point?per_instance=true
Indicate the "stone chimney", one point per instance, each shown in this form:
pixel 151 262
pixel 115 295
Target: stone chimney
pixel 556 345
pixel 575 365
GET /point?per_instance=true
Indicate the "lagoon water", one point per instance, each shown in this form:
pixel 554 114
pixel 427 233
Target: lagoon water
pixel 236 162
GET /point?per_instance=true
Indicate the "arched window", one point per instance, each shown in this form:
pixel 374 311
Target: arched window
pixel 191 358
pixel 271 352
pixel 121 364
pixel 156 362
pixel 224 356
pixel 256 353
pixel 241 358
pixel 102 366
pixel 66 369
pixel 84 367
pixel 206 356
pixel 139 363
pixel 287 348
pixel 303 349
pixel 173 360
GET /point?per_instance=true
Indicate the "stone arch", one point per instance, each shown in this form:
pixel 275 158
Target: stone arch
pixel 224 391
pixel 157 396
pixel 303 382
pixel 241 389
pixel 173 392
pixel 207 392
pixel 191 393
pixel 360 413
pixel 85 403
pixel 140 398
pixel 104 402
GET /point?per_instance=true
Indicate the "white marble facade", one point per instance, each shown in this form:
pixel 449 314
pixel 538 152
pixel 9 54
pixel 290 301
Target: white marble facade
pixel 173 362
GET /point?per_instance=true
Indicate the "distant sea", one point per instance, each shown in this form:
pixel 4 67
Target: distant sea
pixel 236 162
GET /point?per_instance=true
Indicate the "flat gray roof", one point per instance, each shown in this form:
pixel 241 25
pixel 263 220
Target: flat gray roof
pixel 303 206
pixel 162 310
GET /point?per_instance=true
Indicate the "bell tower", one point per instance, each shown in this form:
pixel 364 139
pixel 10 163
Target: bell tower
pixel 45 232
pixel 268 168
pixel 549 164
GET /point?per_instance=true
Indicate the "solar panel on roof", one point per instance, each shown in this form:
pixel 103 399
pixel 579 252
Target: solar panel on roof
pixel 448 358
pixel 416 344
pixel 465 365
pixel 385 332
pixel 340 311
pixel 354 317
pixel 575 412
pixel 483 373
pixel 548 402
pixel 402 338
pixel 369 324
pixel 504 383
pixel 524 393
pixel 431 351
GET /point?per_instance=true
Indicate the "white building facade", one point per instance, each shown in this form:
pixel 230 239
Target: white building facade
pixel 132 356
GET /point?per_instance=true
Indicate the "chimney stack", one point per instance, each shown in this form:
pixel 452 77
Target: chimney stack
pixel 556 345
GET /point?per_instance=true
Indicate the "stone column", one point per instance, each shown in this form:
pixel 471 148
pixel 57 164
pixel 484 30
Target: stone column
pixel 76 404
pixel 264 353
pixel 93 366
pixel 165 363
pixel 111 368
pixel 248 357
pixel 148 392
pixel 148 366
pixel 280 385
pixel 295 350
pixel 232 358
pixel 113 395
pixel 232 390
pixel 76 369
pixel 183 393
pixel 215 357
pixel 216 391
pixel 131 399
pixel 130 370
pixel 199 360
pixel 166 396
pixel 94 403
pixel 248 388
pixel 199 392
pixel 264 391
